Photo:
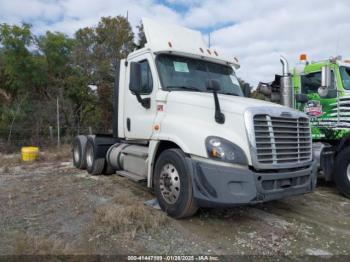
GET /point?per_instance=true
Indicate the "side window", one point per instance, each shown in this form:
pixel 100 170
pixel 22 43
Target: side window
pixel 146 78
pixel 311 82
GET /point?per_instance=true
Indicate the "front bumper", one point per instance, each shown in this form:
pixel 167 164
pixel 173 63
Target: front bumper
pixel 216 185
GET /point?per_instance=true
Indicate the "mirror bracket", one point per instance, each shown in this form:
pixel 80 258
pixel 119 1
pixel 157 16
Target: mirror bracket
pixel 325 81
pixel 145 102
pixel 214 86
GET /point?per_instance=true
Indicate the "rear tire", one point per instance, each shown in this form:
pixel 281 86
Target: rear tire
pixel 79 152
pixel 173 184
pixel 94 165
pixel 342 172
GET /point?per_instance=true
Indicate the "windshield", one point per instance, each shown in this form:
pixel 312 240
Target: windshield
pixel 182 73
pixel 345 76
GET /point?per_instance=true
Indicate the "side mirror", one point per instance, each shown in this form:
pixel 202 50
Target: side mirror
pixel 325 81
pixel 135 84
pixel 301 98
pixel 135 78
pixel 213 85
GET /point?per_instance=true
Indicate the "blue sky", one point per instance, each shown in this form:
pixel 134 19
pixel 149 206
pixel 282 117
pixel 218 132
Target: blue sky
pixel 256 31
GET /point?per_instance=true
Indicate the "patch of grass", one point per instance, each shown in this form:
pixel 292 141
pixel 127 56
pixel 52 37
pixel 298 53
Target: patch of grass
pixel 57 153
pixel 24 244
pixel 6 170
pixel 10 160
pixel 126 215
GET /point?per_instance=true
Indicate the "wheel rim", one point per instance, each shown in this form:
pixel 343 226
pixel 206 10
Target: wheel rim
pixel 76 154
pixel 89 155
pixel 169 183
pixel 348 172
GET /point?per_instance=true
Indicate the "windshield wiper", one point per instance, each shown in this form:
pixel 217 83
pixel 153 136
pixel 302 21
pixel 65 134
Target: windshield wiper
pixel 189 88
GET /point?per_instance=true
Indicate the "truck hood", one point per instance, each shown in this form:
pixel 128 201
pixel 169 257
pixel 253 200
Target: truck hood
pixel 228 103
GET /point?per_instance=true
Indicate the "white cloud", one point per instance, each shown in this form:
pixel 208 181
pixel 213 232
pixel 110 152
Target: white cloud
pixel 318 28
pixel 257 32
pixel 69 15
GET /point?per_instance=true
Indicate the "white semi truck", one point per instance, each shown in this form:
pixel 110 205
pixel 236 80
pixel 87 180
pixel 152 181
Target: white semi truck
pixel 182 125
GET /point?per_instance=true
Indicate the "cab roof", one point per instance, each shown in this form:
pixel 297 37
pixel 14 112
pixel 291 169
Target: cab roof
pixel 179 40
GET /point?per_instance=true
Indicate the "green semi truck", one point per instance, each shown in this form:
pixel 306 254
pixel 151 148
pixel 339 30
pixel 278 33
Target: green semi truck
pixel 321 89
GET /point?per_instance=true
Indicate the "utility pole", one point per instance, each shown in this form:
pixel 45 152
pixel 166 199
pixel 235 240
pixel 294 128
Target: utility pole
pixel 58 125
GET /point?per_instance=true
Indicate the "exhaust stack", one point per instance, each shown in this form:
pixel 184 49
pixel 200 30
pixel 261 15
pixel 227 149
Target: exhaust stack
pixel 286 87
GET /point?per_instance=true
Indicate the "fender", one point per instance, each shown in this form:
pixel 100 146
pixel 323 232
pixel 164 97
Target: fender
pixel 102 143
pixel 153 150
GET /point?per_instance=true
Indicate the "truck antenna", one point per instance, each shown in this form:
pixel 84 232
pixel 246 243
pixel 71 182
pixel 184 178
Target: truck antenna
pixel 125 46
pixel 209 40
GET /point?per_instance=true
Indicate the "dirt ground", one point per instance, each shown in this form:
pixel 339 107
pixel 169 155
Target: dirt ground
pixel 49 207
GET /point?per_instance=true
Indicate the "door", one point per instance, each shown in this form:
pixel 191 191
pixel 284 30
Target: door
pixel 323 111
pixel 138 119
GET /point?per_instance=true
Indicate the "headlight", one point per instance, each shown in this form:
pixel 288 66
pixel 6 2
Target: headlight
pixel 221 149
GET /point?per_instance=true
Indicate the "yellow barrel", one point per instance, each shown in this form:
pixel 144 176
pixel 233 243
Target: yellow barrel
pixel 30 153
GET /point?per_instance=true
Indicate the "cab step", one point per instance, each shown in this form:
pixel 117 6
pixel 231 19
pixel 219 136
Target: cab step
pixel 131 176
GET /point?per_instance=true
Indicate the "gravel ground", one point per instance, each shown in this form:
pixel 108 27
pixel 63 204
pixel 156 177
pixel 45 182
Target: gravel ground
pixel 49 207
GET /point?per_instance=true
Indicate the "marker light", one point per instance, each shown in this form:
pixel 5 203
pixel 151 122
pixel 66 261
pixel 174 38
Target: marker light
pixel 201 49
pixel 216 53
pixel 208 51
pixel 303 57
pixel 347 61
pixel 169 44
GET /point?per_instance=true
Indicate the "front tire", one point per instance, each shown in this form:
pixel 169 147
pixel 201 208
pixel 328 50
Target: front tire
pixel 342 172
pixel 173 184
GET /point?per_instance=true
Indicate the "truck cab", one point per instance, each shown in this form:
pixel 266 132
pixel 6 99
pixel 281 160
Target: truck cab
pixel 182 125
pixel 321 89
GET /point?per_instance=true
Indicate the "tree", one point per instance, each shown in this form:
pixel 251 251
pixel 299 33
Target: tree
pixel 257 95
pixel 15 41
pixel 114 41
pixel 57 49
pixel 35 70
pixel 84 51
pixel 15 72
pixel 5 96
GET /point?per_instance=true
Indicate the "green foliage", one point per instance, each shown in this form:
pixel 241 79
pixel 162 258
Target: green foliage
pixel 57 49
pixel 256 95
pixel 15 41
pixel 37 70
pixel 83 53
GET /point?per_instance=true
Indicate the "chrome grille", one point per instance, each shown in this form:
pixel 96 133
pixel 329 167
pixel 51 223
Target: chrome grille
pixel 281 140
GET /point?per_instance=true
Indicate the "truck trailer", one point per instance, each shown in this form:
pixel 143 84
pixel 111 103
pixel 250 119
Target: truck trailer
pixel 182 125
pixel 321 89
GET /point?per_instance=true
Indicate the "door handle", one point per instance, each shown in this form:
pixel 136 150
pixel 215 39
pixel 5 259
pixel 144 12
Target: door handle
pixel 128 124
